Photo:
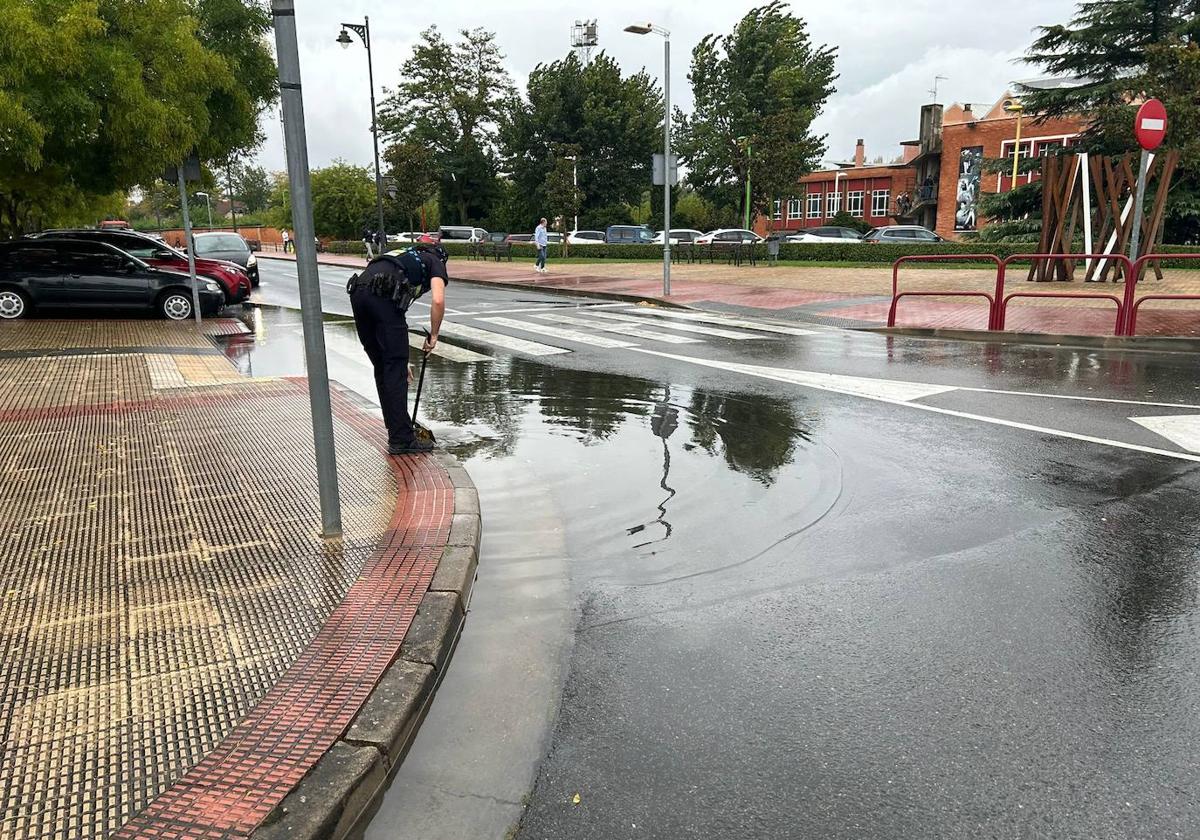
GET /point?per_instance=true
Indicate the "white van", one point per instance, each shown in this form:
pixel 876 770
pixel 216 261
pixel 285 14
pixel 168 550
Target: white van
pixel 462 233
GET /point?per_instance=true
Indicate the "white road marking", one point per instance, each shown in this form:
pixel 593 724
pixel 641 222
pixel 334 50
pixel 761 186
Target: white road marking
pixel 812 380
pixel 448 351
pixel 1081 398
pixel 508 342
pixel 624 329
pixel 560 332
pixel 545 307
pixel 1183 430
pixel 688 328
pixel 722 320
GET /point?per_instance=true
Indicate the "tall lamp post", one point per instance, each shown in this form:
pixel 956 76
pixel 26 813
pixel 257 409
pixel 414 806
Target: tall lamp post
pixel 745 141
pixel 364 33
pixel 837 176
pixel 574 186
pixel 1014 106
pixel 209 203
pixel 646 29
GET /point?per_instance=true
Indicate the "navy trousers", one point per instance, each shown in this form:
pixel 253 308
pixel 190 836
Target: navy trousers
pixel 383 332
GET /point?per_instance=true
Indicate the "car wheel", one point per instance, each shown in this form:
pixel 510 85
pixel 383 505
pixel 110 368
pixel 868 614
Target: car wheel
pixel 175 306
pixel 13 304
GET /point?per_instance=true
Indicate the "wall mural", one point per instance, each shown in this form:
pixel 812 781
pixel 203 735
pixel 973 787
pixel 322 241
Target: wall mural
pixel 970 166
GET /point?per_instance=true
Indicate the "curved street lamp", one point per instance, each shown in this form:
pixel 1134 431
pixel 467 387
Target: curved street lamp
pixel 646 29
pixel 209 203
pixel 343 38
pixel 1014 106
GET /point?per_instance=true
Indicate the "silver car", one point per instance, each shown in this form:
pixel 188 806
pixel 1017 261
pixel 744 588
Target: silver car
pixel 216 245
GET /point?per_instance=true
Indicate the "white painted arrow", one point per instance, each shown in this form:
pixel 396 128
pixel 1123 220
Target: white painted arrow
pixel 1183 430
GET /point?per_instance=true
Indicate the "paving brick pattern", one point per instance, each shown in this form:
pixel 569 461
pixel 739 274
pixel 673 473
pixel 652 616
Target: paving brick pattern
pixel 180 645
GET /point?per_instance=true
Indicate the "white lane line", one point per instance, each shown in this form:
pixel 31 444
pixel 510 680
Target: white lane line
pixel 785 375
pixel 560 332
pixel 722 320
pixel 688 328
pixel 448 351
pixel 508 342
pixel 1182 430
pixel 1082 398
pixel 623 329
pixel 545 307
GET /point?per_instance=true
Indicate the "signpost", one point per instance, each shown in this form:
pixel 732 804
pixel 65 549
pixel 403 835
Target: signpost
pixel 1150 127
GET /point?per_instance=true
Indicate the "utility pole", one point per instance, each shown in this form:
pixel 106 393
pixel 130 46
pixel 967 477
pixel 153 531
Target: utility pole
pixel 292 100
pixel 191 247
pixel 232 198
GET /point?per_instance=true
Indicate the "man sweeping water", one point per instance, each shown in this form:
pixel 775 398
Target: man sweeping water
pixel 380 297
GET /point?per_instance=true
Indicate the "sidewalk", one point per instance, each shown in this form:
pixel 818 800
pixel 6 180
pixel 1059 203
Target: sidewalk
pixel 852 297
pixel 185 656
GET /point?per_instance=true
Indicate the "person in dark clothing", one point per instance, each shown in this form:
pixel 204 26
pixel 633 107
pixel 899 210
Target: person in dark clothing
pixel 379 298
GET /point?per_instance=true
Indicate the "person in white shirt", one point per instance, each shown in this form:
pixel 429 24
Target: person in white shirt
pixel 542 241
pixel 286 240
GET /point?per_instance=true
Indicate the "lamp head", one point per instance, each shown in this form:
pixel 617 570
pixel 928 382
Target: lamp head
pixel 344 39
pixel 640 28
pixel 1013 105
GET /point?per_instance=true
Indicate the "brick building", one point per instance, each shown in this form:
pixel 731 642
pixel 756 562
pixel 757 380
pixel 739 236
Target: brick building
pixel 936 182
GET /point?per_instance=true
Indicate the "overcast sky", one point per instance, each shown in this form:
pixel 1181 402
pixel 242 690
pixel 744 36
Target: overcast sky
pixel 888 55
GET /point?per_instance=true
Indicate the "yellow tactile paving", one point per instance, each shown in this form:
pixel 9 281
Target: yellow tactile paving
pixel 159 570
pixel 106 333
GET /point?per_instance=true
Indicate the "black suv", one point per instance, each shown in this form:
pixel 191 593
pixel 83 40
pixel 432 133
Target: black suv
pixel 74 274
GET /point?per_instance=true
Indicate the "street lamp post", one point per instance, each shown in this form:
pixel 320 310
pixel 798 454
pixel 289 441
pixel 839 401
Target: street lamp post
pixel 837 176
pixel 1014 106
pixel 646 29
pixel 575 186
pixel 209 203
pixel 364 33
pixel 749 156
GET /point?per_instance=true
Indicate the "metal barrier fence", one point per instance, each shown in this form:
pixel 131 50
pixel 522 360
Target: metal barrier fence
pixel 897 294
pixel 1133 302
pixel 1001 314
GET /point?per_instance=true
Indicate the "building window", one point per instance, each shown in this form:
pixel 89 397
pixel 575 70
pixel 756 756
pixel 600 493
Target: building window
pixel 793 209
pixel 854 203
pixel 879 203
pixel 814 205
pixel 778 213
pixel 833 203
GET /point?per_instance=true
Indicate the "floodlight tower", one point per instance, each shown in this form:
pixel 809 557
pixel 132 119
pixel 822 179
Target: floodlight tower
pixel 584 38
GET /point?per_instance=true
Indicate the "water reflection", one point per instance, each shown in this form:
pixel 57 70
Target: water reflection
pixel 663 424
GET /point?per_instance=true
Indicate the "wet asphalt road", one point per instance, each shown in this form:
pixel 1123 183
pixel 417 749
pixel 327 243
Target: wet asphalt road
pixel 717 604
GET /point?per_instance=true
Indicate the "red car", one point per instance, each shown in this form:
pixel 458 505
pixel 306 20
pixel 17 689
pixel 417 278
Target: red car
pixel 234 280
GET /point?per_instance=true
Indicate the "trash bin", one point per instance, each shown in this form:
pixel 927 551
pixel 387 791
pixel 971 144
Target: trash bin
pixel 773 251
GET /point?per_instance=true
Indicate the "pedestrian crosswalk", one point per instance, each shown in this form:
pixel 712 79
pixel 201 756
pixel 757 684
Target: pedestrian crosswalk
pixel 553 330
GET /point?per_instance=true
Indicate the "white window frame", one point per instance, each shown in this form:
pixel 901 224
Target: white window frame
pixel 777 214
pixel 793 209
pixel 855 197
pixel 878 209
pixel 814 205
pixel 833 203
pixel 1027 145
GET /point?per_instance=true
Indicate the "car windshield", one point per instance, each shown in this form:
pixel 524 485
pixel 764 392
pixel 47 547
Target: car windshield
pixel 220 242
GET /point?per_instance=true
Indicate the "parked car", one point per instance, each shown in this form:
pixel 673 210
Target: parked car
pixel 905 234
pixel 585 237
pixel 519 238
pixel 427 237
pixel 628 235
pixel 462 233
pixel 678 235
pixel 227 246
pixel 729 236
pixel 152 250
pixel 50 273
pixel 825 235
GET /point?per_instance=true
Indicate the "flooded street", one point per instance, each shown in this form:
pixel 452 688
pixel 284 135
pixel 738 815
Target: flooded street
pixel 713 604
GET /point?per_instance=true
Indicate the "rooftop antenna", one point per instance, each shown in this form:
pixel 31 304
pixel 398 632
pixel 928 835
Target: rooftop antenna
pixel 933 90
pixel 584 38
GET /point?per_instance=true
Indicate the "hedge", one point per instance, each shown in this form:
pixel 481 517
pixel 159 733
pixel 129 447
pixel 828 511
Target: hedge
pixel 882 254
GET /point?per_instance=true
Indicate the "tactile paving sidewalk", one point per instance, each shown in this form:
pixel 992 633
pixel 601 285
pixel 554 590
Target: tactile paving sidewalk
pixel 160 575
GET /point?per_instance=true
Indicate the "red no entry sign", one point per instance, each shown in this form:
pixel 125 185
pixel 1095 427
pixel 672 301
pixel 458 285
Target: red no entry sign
pixel 1150 124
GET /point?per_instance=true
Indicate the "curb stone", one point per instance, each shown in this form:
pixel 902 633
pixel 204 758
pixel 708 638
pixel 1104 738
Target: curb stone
pixel 343 789
pixel 1158 344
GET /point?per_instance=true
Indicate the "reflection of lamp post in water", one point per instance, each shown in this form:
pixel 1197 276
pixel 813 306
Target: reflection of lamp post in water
pixel 663 424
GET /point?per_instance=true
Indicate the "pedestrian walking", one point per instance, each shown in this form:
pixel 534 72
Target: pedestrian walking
pixel 380 297
pixel 542 241
pixel 368 237
pixel 287 240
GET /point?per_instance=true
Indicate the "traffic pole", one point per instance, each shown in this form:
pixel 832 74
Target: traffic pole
pixel 667 166
pixel 191 246
pixel 296 143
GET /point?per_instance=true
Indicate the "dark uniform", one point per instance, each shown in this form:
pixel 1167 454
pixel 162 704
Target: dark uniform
pixel 379 316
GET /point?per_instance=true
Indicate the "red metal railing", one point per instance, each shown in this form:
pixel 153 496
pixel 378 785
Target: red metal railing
pixel 1133 302
pixel 897 294
pixel 1001 314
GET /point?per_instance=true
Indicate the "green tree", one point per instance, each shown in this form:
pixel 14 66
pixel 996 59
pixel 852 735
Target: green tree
pixel 97 97
pixel 343 199
pixel 1114 53
pixel 562 198
pixel 612 123
pixel 450 100
pixel 414 170
pixel 757 92
pixel 252 187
